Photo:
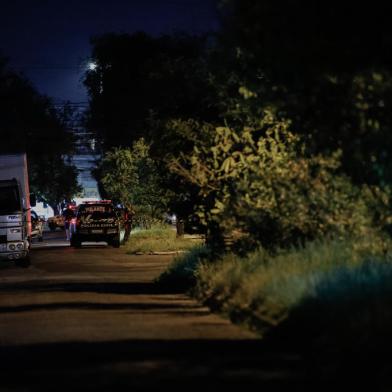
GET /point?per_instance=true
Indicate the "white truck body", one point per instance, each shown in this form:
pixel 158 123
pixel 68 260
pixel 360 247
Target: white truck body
pixel 15 217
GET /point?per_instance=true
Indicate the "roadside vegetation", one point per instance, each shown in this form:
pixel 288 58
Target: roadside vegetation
pixel 311 253
pixel 181 275
pixel 159 238
pixel 295 171
pixel 31 123
pixel 328 297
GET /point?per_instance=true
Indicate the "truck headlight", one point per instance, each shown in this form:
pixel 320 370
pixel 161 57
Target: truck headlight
pixel 12 246
pixel 19 246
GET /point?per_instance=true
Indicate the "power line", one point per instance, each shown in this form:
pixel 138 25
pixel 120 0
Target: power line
pixel 44 67
pixel 67 103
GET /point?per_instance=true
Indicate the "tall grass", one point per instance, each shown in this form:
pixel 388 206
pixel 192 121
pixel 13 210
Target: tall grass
pixel 350 310
pixel 332 295
pixel 160 238
pixel 180 275
pixel 335 295
pixel 330 300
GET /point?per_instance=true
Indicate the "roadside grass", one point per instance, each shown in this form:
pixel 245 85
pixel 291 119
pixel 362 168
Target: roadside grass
pixel 262 289
pixel 349 311
pixel 160 238
pixel 328 296
pixel 180 275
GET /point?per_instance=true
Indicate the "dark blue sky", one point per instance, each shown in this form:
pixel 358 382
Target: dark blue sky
pixel 48 40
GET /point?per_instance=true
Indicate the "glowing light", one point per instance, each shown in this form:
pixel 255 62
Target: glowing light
pixel 91 66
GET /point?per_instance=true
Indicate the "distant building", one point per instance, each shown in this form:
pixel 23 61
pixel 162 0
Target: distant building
pixel 85 157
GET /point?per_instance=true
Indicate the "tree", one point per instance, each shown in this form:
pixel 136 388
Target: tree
pixel 324 65
pixel 260 181
pixel 301 39
pixel 140 88
pixel 30 123
pixel 52 180
pixel 131 177
pixel 138 78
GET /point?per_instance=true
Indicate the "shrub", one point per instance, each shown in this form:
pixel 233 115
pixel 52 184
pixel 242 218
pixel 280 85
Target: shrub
pixel 132 178
pixel 261 290
pixel 181 273
pixel 349 311
pixel 259 180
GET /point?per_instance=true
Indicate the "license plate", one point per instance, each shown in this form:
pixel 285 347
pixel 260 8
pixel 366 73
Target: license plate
pixel 97 231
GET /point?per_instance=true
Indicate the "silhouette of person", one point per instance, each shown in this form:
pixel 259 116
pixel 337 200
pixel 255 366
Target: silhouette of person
pixel 128 217
pixel 69 215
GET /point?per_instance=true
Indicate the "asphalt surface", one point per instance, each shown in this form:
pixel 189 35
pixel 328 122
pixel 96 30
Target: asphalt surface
pixel 92 319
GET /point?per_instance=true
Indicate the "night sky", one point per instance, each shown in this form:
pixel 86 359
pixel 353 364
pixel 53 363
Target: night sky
pixel 48 40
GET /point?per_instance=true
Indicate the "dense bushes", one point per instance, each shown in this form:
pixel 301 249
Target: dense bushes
pixel 181 274
pixel 260 181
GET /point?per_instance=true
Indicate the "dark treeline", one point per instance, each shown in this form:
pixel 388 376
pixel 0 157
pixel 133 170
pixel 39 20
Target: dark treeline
pixel 325 66
pixel 30 123
pixel 140 79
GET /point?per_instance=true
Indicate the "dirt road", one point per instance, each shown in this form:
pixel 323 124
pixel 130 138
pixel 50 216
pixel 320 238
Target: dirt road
pixel 92 319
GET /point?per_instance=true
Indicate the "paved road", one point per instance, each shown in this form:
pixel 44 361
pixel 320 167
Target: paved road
pixel 92 319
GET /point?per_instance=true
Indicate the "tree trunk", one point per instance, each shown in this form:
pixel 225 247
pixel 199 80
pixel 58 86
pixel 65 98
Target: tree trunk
pixel 215 239
pixel 180 226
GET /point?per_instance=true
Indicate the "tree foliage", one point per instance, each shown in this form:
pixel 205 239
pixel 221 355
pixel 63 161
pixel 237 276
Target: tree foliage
pixel 53 180
pixel 209 110
pixel 324 65
pixel 30 123
pixel 131 177
pixel 139 78
pixel 300 39
pixel 259 180
pixel 141 87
